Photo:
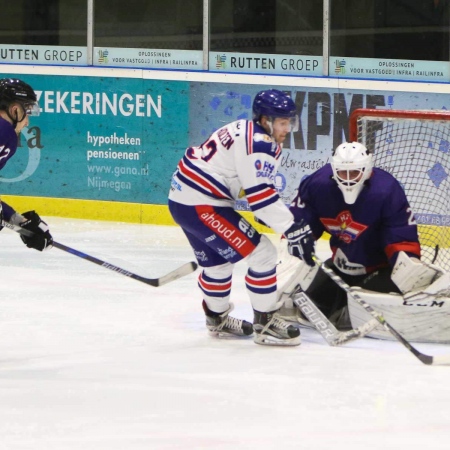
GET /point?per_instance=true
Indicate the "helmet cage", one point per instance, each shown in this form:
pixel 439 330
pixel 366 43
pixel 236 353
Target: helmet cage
pixel 352 165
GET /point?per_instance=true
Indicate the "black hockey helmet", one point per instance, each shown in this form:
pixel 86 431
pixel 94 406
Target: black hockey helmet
pixel 13 90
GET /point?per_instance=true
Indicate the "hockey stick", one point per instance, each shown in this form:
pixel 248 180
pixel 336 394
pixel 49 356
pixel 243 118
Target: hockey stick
pixel 426 359
pixel 436 251
pixel 330 333
pixel 181 271
pixel 292 291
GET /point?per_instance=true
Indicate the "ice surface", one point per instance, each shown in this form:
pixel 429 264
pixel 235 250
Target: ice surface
pixel 90 359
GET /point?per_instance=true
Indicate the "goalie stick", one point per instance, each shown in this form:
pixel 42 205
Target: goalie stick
pixel 330 333
pixel 181 271
pixel 426 359
pixel 293 292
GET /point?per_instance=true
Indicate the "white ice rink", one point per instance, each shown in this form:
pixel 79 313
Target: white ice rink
pixel 90 359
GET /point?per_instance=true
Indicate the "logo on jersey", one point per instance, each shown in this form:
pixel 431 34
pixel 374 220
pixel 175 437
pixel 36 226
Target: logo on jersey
pixel 227 253
pixel 344 227
pixel 264 170
pixel 259 137
pixel 227 231
pixel 201 256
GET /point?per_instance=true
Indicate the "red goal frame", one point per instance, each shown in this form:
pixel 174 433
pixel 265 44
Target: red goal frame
pixel 392 114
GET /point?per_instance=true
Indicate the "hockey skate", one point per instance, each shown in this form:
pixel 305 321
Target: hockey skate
pixel 222 325
pixel 293 315
pixel 272 330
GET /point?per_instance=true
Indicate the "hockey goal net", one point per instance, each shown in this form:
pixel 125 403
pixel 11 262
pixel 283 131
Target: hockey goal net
pixel 414 146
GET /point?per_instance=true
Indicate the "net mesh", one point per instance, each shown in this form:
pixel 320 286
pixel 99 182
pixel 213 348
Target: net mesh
pixel 416 152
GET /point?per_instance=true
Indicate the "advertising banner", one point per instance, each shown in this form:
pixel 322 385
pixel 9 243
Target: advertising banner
pixel 390 69
pixel 43 54
pixel 146 58
pixel 100 139
pixel 265 64
pixel 120 139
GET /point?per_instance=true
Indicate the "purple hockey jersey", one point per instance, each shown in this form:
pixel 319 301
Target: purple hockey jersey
pixel 8 146
pixel 8 142
pixel 366 235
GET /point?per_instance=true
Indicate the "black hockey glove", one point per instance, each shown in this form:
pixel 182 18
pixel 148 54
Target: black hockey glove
pixel 41 239
pixel 301 242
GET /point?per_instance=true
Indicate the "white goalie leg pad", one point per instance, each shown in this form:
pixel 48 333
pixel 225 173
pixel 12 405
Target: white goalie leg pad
pixel 291 273
pixel 286 265
pixel 389 305
pixel 411 274
pixel 437 290
pixel 421 318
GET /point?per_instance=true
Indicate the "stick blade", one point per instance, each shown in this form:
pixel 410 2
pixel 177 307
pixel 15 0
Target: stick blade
pixel 181 271
pixel 439 360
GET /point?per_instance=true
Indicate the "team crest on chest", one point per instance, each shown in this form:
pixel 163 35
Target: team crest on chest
pixel 344 227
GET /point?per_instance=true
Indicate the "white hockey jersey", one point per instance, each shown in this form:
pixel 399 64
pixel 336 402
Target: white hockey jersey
pixel 236 160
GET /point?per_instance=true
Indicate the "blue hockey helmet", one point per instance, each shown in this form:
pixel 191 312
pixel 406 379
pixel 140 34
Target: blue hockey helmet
pixel 274 103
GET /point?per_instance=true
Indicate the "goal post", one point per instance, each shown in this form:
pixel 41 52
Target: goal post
pixel 414 146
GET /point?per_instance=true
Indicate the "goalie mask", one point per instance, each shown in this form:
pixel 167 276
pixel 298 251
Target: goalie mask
pixel 352 165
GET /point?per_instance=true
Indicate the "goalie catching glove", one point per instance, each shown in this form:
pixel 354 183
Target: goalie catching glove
pixel 301 242
pixel 41 239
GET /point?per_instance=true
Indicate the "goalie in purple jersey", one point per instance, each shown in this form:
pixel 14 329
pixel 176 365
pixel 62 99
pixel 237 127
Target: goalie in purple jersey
pixel 240 159
pixel 374 239
pixel 17 102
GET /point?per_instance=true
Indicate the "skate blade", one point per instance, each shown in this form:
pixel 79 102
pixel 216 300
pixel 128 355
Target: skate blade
pixel 225 335
pixel 270 340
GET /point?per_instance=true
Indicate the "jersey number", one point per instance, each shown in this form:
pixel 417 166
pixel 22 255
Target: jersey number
pixel 4 152
pixel 209 148
pixel 411 218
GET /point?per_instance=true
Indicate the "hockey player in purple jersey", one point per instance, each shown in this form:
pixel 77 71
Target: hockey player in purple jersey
pixel 17 102
pixel 374 239
pixel 239 159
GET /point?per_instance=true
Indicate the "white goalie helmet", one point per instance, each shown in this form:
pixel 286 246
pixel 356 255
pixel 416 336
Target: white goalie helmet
pixel 352 165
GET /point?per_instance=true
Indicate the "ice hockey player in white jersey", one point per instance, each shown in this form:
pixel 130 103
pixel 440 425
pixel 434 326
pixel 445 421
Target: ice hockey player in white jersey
pixel 239 159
